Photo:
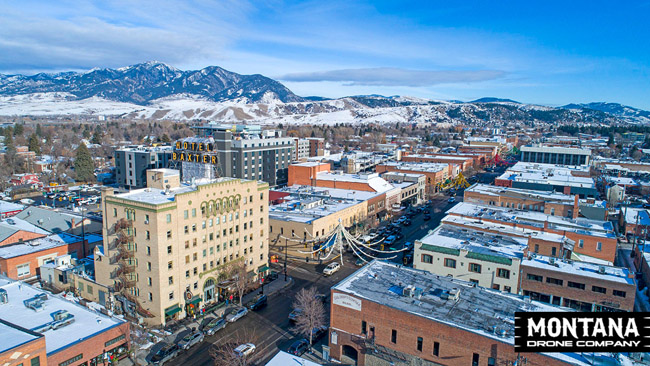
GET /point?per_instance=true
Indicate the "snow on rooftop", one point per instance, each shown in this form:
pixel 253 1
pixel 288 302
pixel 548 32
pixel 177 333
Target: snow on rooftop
pixel 87 323
pixel 417 167
pixel 479 310
pixel 156 196
pixel 533 218
pixel 636 216
pixel 286 359
pixel 453 237
pixel 477 224
pixel 37 245
pixel 13 337
pixel 487 189
pixel 375 182
pixel 6 206
pixel 590 270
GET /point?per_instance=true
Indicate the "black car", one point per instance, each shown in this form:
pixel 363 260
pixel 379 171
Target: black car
pixel 299 347
pixel 293 316
pixel 271 277
pixel 259 302
pixel 427 217
pixel 165 354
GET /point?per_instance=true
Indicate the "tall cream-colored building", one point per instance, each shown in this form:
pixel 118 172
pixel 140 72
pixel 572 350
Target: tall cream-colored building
pixel 166 246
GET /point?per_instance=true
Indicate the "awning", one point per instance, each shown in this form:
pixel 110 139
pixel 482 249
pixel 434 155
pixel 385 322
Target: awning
pixel 194 300
pixel 172 310
pixel 251 274
pixel 263 268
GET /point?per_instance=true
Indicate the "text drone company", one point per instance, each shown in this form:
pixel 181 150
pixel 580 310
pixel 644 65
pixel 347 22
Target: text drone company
pixel 580 332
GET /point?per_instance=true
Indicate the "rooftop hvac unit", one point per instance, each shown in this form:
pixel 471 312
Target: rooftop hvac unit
pixel 408 291
pixel 551 260
pixel 36 303
pixel 4 297
pixel 601 270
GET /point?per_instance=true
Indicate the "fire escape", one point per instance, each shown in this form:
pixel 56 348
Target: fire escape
pixel 124 275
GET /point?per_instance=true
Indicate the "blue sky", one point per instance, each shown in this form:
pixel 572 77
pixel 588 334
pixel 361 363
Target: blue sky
pixel 546 52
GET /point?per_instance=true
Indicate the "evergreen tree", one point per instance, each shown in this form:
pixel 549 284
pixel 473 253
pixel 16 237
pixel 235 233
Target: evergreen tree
pixel 39 131
pixel 34 144
pixel 19 129
pixel 611 142
pixel 165 138
pixel 83 164
pixel 97 138
pixel 9 136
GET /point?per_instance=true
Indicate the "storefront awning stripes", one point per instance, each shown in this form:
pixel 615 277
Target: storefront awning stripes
pixel 194 300
pixel 172 310
pixel 263 268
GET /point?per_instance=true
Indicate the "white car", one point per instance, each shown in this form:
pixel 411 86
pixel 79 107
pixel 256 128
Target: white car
pixel 245 349
pixel 234 316
pixel 331 268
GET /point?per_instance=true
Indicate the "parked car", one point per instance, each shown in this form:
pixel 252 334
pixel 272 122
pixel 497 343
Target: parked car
pixel 359 262
pixel 318 332
pixel 451 199
pixel 214 325
pixel 273 275
pixel 299 347
pixel 165 354
pixel 244 349
pixel 259 302
pixel 408 245
pixel 408 259
pixel 427 217
pixel 235 315
pixel 294 314
pixel 390 241
pixel 331 268
pixel 321 297
pixel 191 339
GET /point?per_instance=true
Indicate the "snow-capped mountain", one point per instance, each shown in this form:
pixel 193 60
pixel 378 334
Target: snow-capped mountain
pixel 142 83
pixel 154 90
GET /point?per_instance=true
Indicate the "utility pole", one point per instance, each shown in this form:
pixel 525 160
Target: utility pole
pixel 285 259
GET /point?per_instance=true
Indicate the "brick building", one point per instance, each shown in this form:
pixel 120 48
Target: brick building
pixel 21 261
pixel 20 346
pixel 548 177
pixel 465 162
pixel 435 173
pixel 593 238
pixel 578 285
pixel 74 335
pixel 389 314
pixel 15 230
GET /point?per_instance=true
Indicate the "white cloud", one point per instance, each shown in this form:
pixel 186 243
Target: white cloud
pixel 388 76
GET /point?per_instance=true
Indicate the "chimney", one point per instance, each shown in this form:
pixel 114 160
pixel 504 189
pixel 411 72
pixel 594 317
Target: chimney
pixel 545 225
pixel 575 207
pixel 72 223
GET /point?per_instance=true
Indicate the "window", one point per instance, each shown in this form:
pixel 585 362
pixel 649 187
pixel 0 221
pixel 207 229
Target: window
pixel 451 263
pixel 148 250
pixel 186 229
pixel 419 344
pixel 23 270
pixel 171 295
pixel 475 359
pixel 393 336
pixel 503 273
pixel 426 258
pixel 536 248
pixel 580 286
pixel 148 266
pixel 554 252
pixel 171 280
pixel 169 218
pixel 618 293
pixel 169 234
pixel 599 246
pixel 89 289
pixel 554 281
pixel 492 361
pixel 114 212
pixel 475 267
pixel 186 214
pixel 581 243
pixel 193 212
pixel 150 297
pixel 169 265
pixel 149 281
pixel 436 349
pixel 507 289
pixel 364 327
pixel 169 249
pixel 533 277
pixel 599 289
pixel 147 234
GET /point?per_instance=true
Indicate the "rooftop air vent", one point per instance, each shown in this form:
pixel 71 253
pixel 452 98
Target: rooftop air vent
pixel 601 270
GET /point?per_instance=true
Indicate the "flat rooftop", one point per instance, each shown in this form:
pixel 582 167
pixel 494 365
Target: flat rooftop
pixel 417 167
pixel 37 245
pixel 520 193
pixel 546 174
pixel 13 336
pixel 305 204
pixel 584 269
pixel 155 196
pixel 87 323
pixel 481 225
pixel 532 218
pixel 439 157
pixel 556 149
pixel 454 237
pixel 489 313
pixel 377 183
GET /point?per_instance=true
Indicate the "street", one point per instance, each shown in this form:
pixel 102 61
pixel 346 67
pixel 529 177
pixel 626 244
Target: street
pixel 269 328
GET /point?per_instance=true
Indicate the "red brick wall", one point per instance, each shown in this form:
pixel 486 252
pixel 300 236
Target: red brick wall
pixel 465 163
pixel 28 351
pixel 456 345
pixel 431 181
pixel 91 347
pixel 24 235
pixel 303 175
pixel 8 265
pixel 586 295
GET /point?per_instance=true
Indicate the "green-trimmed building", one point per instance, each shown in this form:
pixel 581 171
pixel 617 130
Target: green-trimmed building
pixel 489 260
pixel 166 246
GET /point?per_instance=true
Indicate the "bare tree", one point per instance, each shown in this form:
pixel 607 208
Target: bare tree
pixel 238 272
pixel 223 351
pixel 313 312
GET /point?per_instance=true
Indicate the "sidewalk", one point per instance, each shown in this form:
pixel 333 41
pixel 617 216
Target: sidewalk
pixel 142 356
